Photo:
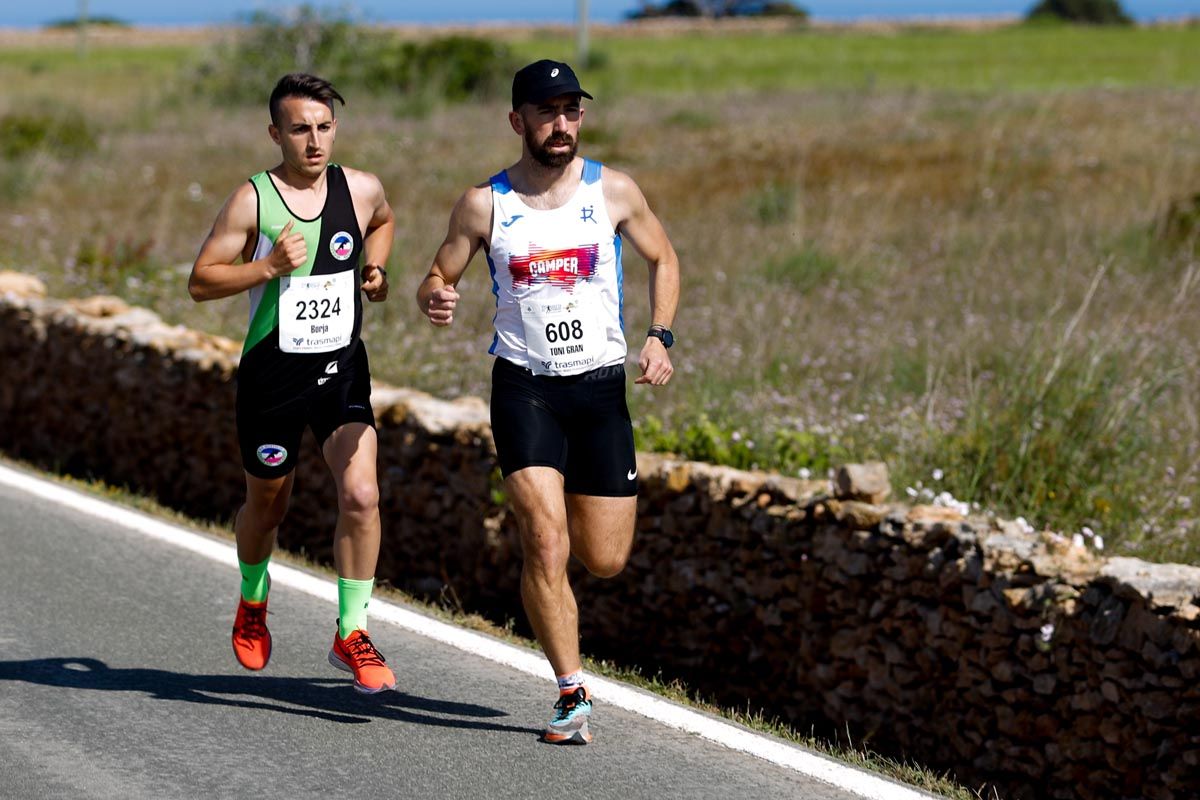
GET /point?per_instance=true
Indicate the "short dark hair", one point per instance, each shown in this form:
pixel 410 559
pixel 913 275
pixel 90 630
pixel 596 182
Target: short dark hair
pixel 300 84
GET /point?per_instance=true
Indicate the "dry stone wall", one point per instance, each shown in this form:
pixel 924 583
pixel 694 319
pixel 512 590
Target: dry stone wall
pixel 1009 657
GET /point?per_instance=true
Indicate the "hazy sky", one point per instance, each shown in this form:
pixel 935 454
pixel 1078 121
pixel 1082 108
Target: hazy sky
pixel 156 12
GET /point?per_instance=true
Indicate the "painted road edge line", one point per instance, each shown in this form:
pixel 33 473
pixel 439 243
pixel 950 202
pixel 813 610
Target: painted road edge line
pixel 662 711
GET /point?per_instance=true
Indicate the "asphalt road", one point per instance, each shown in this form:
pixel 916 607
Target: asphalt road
pixel 117 681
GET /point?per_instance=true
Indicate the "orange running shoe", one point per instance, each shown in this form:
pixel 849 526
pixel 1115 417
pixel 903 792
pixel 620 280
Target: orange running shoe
pixel 356 653
pixel 251 639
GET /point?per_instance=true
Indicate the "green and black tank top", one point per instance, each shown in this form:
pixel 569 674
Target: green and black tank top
pixel 304 327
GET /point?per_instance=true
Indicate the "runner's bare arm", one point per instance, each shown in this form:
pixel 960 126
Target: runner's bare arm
pixel 377 242
pixel 217 273
pixel 636 222
pixel 470 226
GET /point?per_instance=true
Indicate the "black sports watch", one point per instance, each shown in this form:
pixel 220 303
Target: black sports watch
pixel 664 335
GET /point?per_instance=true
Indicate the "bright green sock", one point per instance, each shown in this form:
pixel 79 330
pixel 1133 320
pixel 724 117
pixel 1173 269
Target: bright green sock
pixel 254 580
pixel 353 597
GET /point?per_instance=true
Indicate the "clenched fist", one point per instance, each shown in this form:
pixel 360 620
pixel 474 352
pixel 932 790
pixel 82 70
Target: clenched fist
pixel 289 252
pixel 441 306
pixel 374 282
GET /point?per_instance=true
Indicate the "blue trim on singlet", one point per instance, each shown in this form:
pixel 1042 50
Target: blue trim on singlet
pixel 496 292
pixel 591 170
pixel 620 282
pixel 591 174
pixel 500 182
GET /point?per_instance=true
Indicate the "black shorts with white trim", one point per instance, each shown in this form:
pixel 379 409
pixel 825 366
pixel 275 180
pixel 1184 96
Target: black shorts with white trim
pixel 270 428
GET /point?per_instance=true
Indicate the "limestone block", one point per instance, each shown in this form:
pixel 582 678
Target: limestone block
pixel 926 536
pixel 1166 586
pixel 678 477
pixel 20 285
pixel 928 515
pixel 868 482
pixel 859 515
pixel 100 306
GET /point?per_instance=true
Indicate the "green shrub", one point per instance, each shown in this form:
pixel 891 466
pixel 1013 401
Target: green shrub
pixel 725 443
pixel 775 203
pixel 446 69
pixel 692 119
pixel 304 40
pixel 782 9
pixel 100 21
pixel 1058 435
pixel 461 67
pixel 803 271
pixel 1180 226
pixel 720 8
pixel 65 134
pixel 113 264
pixel 1091 12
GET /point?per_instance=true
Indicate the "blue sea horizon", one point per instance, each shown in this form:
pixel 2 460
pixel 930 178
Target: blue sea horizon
pixel 215 12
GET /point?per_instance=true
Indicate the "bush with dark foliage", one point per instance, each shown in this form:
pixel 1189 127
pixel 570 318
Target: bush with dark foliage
pixel 1090 12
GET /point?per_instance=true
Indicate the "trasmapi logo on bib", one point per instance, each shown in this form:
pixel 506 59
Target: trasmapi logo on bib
pixel 341 245
pixel 561 268
pixel 272 455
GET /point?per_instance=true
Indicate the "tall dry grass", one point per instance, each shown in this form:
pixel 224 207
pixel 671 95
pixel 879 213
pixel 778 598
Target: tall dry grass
pixel 968 283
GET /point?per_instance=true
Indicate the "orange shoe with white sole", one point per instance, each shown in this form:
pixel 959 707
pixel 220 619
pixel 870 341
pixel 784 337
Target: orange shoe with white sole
pixel 357 654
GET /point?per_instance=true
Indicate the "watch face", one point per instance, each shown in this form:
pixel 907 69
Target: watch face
pixel 668 338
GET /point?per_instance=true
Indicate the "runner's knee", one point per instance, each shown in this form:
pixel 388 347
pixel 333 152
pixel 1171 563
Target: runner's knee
pixel 606 565
pixel 546 552
pixel 359 497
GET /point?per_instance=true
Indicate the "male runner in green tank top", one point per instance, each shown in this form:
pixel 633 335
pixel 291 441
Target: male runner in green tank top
pixel 293 237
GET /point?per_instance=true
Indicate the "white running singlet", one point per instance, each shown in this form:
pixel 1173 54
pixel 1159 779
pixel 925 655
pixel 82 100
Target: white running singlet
pixel 557 279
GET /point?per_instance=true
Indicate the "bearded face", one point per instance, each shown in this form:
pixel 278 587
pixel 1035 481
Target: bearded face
pixel 553 159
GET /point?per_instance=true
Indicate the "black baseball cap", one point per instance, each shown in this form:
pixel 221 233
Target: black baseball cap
pixel 542 80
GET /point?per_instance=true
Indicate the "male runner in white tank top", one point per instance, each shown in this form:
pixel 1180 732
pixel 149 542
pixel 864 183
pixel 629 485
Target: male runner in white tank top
pixel 551 226
pixel 293 237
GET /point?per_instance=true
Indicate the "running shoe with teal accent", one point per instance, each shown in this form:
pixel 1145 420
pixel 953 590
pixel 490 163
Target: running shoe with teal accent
pixel 570 723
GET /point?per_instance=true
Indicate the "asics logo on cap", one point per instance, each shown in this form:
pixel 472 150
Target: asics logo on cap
pixel 542 80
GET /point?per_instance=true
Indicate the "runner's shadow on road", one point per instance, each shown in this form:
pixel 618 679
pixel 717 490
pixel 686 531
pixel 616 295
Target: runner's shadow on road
pixel 330 699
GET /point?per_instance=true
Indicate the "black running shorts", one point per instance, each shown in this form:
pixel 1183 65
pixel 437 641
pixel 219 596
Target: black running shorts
pixel 578 424
pixel 269 429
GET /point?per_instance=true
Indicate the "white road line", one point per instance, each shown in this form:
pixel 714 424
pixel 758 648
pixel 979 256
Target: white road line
pixel 775 751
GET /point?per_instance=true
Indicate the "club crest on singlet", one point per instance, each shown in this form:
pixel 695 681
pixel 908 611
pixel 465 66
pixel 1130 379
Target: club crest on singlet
pixel 563 269
pixel 341 246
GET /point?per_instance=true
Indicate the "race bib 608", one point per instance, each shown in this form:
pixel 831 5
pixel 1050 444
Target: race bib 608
pixel 562 338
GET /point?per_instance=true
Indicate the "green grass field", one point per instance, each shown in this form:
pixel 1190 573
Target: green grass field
pixel 940 248
pixel 1006 59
